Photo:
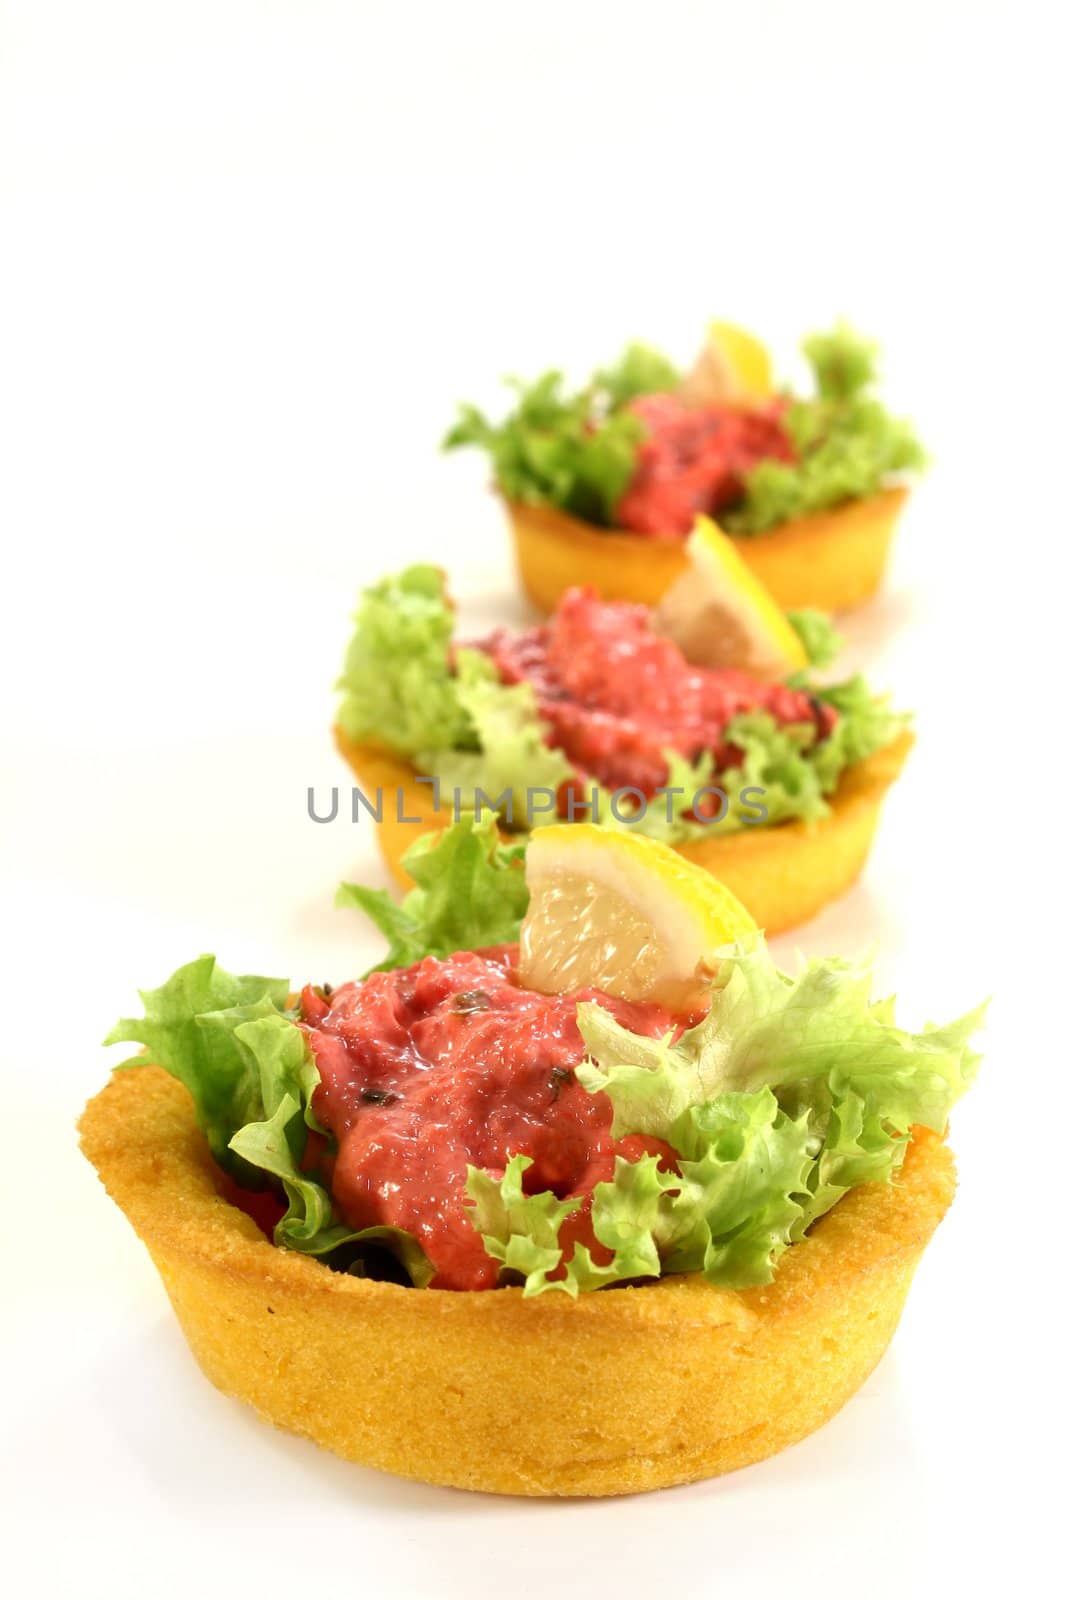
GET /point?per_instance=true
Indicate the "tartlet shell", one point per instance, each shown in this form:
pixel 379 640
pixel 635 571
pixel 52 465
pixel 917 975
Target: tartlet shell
pixel 783 873
pixel 832 560
pixel 620 1391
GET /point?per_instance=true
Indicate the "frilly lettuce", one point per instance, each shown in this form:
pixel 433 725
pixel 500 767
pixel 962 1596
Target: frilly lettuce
pixel 847 444
pixel 512 757
pixel 726 1212
pixel 190 1027
pixel 406 688
pixel 235 1046
pixel 641 369
pixel 815 1035
pixel 520 1231
pixel 866 722
pixel 788 1093
pixel 574 449
pixel 397 684
pixel 470 892
pixel 817 634
pixel 785 773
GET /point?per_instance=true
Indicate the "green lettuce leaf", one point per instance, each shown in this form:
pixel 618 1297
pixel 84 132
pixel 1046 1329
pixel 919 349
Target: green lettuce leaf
pixel 727 1212
pixel 651 1083
pixel 785 774
pixel 817 634
pixel 397 682
pixel 628 1216
pixel 513 772
pixel 810 1038
pixel 236 1047
pixel 848 446
pixel 665 814
pixel 743 1163
pixel 795 770
pixel 639 370
pixel 574 449
pixel 844 364
pixel 790 1092
pixel 470 892
pixel 406 688
pixel 866 723
pixel 190 1027
pixel 520 1231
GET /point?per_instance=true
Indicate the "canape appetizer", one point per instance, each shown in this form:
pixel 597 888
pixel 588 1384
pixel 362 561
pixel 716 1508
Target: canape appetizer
pixel 573 1194
pixel 602 484
pixel 746 766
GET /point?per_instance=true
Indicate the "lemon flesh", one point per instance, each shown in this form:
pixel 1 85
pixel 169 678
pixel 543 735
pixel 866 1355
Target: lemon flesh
pixel 719 614
pixel 627 915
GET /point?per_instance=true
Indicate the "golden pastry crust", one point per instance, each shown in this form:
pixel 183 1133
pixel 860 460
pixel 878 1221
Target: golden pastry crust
pixel 784 874
pixel 832 560
pixel 620 1391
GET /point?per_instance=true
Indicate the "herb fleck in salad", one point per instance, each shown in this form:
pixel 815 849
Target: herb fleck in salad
pixel 645 449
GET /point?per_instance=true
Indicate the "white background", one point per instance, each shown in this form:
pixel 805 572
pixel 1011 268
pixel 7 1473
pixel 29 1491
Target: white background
pixel 252 254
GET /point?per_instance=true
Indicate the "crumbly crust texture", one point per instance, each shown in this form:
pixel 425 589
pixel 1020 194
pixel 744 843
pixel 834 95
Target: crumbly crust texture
pixel 621 1391
pixel 832 560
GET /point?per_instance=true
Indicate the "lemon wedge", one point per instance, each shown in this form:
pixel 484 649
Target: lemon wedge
pixel 622 913
pixel 720 615
pixel 748 359
pixel 733 365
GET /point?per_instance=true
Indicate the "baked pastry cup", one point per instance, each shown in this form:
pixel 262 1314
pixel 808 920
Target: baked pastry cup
pixel 784 873
pixel 613 1393
pixel 832 560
